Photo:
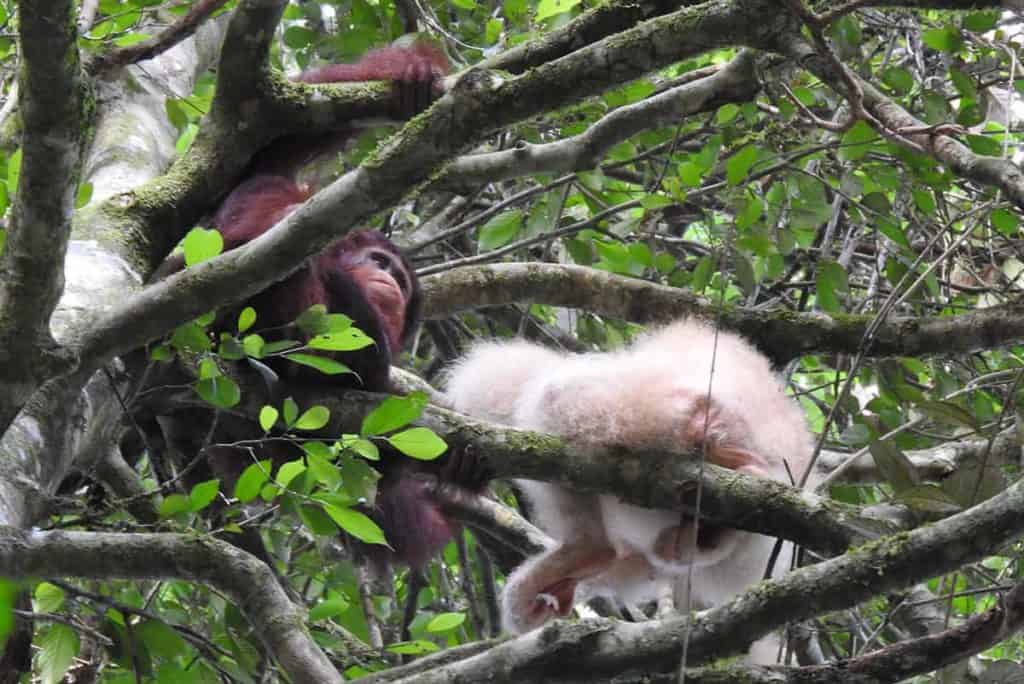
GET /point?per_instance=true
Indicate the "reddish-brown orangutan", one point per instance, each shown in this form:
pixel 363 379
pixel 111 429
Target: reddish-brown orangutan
pixel 363 276
pixel 681 388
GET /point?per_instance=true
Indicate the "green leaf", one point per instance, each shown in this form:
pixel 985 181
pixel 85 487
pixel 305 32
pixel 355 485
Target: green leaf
pixel 290 411
pixel 57 649
pixel 160 639
pixel 414 648
pixel 84 195
pixel 702 274
pixel 268 416
pixel 500 230
pixel 445 622
pixel 738 165
pixel 549 8
pixel 47 598
pixel 946 39
pixel 174 504
pixel 190 337
pixel 254 346
pixel 289 471
pixel 203 494
pixel 726 113
pixel 894 465
pixel 830 280
pixel 8 595
pixel 220 391
pixel 984 145
pixel 949 413
pixel 314 418
pixel 419 443
pixel 857 141
pixel 393 413
pixel 297 37
pixel 899 80
pixel 317 521
pixel 1005 221
pixel 365 448
pixel 349 339
pixel 252 480
pixel 246 318
pixel 201 244
pixel 355 523
pixel 979 22
pixel 323 471
pixel 332 607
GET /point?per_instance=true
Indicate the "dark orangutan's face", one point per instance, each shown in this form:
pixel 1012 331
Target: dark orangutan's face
pixel 385 280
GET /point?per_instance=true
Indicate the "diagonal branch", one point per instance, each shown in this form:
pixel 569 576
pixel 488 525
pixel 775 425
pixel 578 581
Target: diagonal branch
pixel 248 581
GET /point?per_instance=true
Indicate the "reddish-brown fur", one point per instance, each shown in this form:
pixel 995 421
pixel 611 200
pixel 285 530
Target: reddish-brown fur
pixel 363 275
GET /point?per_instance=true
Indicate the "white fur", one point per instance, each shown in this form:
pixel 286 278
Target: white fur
pixel 647 396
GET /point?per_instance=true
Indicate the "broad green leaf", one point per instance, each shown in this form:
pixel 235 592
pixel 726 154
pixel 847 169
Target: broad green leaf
pixel 738 165
pixel 500 230
pixel 702 274
pixel 549 8
pixel 297 37
pixel 893 464
pixel 323 471
pixel 857 141
pixel 317 520
pixel 898 79
pixel 84 195
pixel 393 413
pixel 174 504
pixel 8 595
pixel 1005 221
pixel 445 622
pixel 290 411
pixel 365 448
pixel 419 443
pixel 313 418
pixel 350 339
pixel 949 413
pixel 289 471
pixel 830 281
pixel 268 416
pixel 979 22
pixel 330 608
pixel 355 523
pixel 160 639
pixel 201 244
pixel 203 494
pixel 252 480
pixel 191 337
pixel 254 346
pixel 946 39
pixel 246 318
pixel 220 391
pixel 47 598
pixel 984 145
pixel 726 113
pixel 57 649
pixel 414 648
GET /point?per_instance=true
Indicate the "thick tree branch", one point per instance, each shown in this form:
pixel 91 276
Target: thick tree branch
pixel 248 581
pixel 734 82
pixel 52 101
pixel 781 335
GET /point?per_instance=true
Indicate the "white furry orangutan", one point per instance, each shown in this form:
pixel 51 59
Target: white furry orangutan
pixel 652 395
